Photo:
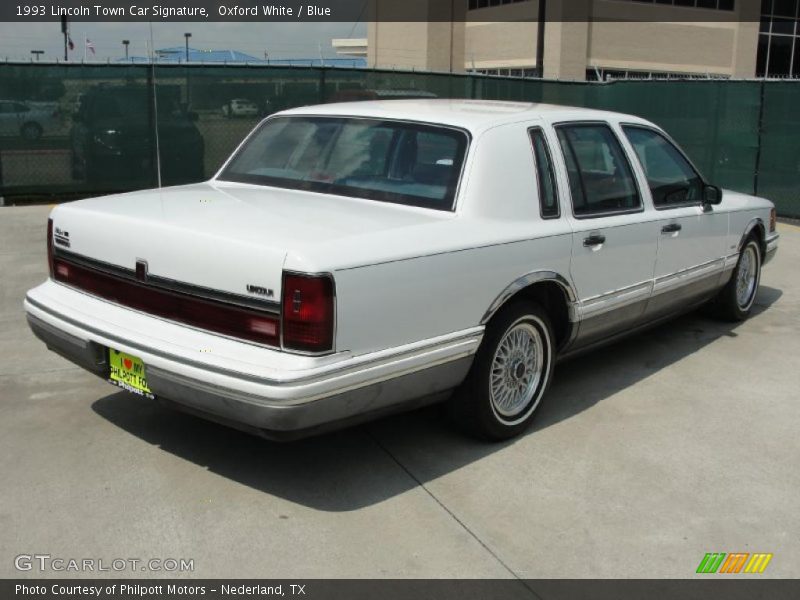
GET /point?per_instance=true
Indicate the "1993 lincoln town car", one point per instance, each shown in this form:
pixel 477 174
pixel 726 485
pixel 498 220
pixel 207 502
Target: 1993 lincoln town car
pixel 359 258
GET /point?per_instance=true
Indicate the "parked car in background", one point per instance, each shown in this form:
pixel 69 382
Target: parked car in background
pixel 113 137
pixel 240 107
pixel 29 120
pixel 355 259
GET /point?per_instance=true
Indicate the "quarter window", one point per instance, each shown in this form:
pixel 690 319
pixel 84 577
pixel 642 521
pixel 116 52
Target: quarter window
pixel 600 176
pixel 548 196
pixel 672 180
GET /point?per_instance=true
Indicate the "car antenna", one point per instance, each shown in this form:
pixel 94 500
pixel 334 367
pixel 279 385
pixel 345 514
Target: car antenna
pixel 155 104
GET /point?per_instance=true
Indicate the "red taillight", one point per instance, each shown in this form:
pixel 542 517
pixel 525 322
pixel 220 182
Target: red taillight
pixel 227 319
pixel 773 218
pixel 308 312
pixel 50 246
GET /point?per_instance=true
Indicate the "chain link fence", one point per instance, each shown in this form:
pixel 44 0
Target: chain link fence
pixel 69 131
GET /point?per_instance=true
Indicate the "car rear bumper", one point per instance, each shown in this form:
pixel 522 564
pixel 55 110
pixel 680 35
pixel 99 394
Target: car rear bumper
pixel 283 397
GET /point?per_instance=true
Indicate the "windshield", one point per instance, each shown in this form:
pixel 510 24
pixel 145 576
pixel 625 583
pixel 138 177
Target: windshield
pixel 404 163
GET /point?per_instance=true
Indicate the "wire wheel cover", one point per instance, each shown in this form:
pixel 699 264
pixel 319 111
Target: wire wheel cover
pixel 516 369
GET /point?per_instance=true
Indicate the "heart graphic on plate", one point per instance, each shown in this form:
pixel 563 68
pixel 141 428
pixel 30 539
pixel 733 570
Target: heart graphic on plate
pixel 128 363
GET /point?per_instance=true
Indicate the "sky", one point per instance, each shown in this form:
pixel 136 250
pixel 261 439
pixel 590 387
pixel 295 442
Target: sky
pixel 280 40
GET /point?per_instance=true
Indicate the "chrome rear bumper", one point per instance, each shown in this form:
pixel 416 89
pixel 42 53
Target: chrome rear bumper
pixel 297 404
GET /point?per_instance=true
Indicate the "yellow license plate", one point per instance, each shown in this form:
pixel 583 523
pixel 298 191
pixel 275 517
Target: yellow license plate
pixel 127 372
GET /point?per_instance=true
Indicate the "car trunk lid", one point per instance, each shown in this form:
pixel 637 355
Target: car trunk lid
pixel 231 238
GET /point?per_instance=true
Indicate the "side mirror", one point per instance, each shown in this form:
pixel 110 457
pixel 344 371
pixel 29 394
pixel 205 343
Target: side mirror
pixel 712 194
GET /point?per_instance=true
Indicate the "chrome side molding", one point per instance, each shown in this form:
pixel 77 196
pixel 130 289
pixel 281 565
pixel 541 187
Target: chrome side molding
pixel 529 279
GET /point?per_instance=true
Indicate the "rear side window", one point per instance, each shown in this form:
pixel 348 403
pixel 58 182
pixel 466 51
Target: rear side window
pixel 548 196
pixel 671 178
pixel 600 177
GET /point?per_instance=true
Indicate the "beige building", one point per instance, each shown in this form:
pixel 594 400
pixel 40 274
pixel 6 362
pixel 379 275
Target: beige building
pixel 582 38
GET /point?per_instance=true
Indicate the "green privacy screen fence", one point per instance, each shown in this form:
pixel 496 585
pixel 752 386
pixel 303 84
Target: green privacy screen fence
pixel 68 131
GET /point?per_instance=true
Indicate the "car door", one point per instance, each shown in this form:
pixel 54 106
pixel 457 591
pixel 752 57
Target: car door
pixel 691 236
pixel 613 252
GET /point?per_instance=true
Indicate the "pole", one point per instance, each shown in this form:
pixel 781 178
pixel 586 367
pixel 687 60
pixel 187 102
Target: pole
pixel 187 36
pixel 540 37
pixel 126 43
pixel 450 62
pixel 762 97
pixel 65 30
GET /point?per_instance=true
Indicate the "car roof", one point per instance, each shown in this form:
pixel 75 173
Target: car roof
pixel 473 115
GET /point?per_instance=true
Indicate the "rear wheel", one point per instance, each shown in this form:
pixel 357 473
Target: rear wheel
pixel 510 374
pixel 735 301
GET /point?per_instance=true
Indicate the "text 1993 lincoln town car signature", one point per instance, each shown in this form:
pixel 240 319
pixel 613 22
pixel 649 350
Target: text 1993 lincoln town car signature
pixel 355 259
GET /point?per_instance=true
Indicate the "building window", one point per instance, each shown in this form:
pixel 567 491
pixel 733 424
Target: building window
pixel 476 4
pixel 708 4
pixel 603 74
pixel 779 39
pixel 508 72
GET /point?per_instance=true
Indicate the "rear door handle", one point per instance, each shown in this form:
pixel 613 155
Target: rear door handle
pixel 594 240
pixel 671 228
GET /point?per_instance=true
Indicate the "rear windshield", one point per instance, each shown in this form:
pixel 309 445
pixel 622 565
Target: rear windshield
pixel 388 161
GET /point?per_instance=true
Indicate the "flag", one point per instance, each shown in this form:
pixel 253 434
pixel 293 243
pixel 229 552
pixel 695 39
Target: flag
pixel 70 44
pixel 90 45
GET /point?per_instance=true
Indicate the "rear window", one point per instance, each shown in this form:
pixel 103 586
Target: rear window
pixel 388 161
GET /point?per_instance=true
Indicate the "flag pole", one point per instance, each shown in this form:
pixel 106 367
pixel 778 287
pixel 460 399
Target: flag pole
pixel 65 30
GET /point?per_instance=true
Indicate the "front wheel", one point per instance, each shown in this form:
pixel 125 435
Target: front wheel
pixel 511 372
pixel 736 299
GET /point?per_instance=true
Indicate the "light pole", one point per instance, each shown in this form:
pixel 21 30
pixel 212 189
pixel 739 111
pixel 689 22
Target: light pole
pixel 188 83
pixel 37 53
pixel 542 20
pixel 126 43
pixel 187 36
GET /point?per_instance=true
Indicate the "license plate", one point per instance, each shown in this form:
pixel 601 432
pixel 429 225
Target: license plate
pixel 127 371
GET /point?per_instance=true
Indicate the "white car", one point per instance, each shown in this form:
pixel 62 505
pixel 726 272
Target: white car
pixel 28 120
pixel 240 107
pixel 355 259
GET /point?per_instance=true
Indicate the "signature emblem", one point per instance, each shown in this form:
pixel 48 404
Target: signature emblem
pixel 260 291
pixel 61 237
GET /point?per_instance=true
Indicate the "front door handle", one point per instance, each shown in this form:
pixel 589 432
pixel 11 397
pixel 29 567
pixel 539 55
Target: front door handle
pixel 594 240
pixel 671 228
